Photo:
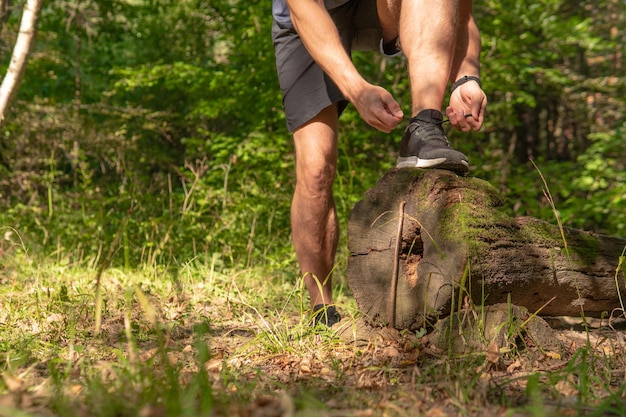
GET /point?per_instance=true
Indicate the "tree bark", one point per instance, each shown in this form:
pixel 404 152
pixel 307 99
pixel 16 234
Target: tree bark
pixel 21 51
pixel 456 248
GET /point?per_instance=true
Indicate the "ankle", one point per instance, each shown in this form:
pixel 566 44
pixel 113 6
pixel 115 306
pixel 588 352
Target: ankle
pixel 428 116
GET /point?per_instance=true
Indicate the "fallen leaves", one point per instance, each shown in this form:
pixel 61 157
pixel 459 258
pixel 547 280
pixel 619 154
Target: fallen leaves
pixel 267 369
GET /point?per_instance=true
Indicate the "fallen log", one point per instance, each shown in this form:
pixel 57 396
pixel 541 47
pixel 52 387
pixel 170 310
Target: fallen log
pixel 455 248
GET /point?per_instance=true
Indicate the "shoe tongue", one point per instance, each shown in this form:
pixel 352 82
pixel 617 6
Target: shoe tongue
pixel 430 116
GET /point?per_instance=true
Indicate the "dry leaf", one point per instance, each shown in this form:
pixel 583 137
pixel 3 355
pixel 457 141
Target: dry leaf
pixel 553 355
pixel 436 412
pixel 390 352
pixel 9 400
pixel 493 353
pixel 513 367
pixel 214 365
pixel 76 389
pixel 13 383
pixel 325 371
pixel 566 387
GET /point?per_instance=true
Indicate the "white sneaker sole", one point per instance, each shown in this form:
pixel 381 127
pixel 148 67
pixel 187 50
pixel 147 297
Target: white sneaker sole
pixel 443 163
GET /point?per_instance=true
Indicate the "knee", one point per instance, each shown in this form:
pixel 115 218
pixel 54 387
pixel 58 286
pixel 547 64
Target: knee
pixel 316 178
pixel 316 154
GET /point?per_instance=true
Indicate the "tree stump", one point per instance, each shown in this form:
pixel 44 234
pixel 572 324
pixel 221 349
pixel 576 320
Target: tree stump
pixel 456 248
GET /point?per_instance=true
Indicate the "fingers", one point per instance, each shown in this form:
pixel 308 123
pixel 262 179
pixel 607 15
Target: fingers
pixel 463 121
pixel 384 121
pixel 387 112
pixel 478 112
pixel 390 115
pixel 466 113
pixel 392 107
pixel 380 110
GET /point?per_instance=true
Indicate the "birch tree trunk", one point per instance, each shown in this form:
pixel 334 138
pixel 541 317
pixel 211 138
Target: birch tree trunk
pixel 21 51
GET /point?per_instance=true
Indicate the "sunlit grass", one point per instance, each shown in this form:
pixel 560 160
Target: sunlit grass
pixel 202 339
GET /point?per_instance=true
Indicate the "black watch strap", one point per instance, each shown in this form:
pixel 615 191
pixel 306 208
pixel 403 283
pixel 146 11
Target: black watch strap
pixel 463 80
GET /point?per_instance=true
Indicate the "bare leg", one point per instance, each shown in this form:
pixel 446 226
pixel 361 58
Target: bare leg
pixel 427 36
pixel 427 30
pixel 389 18
pixel 313 216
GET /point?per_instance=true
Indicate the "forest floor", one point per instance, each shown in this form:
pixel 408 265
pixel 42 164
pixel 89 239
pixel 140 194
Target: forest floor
pixel 198 342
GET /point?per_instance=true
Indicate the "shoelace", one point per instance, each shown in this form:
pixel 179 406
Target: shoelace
pixel 428 134
pixel 466 116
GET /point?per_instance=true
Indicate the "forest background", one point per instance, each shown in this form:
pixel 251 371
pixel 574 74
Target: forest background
pixel 162 120
pixel 149 134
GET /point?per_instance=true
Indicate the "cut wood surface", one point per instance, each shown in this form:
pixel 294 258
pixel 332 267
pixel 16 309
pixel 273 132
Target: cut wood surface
pixel 457 248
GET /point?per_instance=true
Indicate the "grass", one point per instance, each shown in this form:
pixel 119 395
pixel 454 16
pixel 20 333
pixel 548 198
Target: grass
pixel 202 342
pixel 198 338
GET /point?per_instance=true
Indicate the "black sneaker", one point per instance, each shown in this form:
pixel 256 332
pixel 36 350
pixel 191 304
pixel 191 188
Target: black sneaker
pixel 425 145
pixel 326 315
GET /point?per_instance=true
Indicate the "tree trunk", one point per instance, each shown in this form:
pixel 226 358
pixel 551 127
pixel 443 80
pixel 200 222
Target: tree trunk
pixel 456 248
pixel 21 51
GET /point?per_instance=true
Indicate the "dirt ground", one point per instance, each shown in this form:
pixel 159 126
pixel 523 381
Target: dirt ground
pixel 264 366
pixel 369 371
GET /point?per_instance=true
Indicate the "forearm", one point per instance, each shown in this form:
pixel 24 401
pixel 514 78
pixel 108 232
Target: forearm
pixel 467 49
pixel 319 35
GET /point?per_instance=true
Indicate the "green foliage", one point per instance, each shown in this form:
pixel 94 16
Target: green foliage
pixel 150 132
pixel 599 190
pixel 163 138
pixel 548 69
pixel 130 124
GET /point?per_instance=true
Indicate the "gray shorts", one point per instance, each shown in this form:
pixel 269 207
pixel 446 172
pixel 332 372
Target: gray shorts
pixel 306 89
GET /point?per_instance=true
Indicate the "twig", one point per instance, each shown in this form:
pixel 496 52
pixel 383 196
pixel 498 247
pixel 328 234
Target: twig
pixel 391 304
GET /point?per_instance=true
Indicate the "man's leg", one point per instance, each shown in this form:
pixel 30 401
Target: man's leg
pixel 312 104
pixel 389 18
pixel 427 35
pixel 427 30
pixel 313 216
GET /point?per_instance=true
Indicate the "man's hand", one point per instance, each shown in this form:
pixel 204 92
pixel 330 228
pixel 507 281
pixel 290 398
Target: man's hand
pixel 377 107
pixel 467 107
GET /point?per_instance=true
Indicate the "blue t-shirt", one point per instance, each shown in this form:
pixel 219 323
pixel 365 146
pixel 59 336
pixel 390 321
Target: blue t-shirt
pixel 281 14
